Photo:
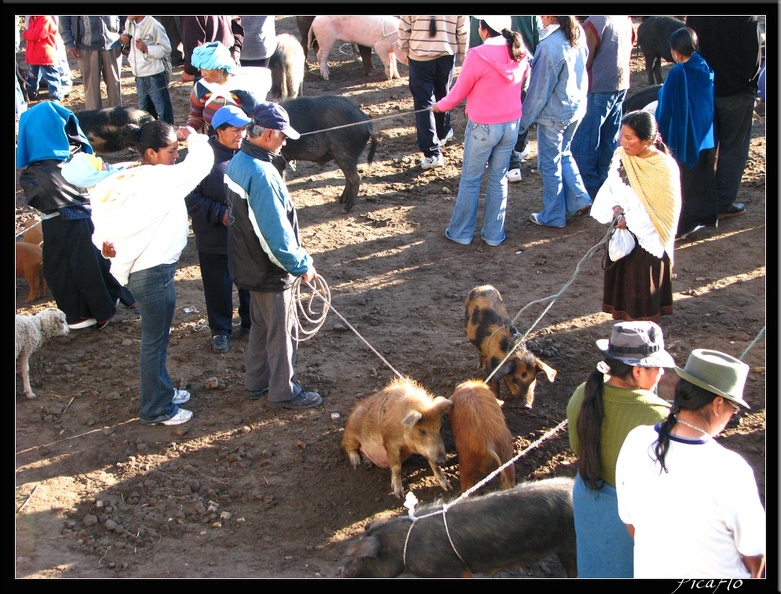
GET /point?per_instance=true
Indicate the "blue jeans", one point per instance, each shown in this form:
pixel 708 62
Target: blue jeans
pixel 153 96
pixel 563 191
pixel 597 138
pixel 429 81
pixel 154 291
pixel 50 75
pixel 733 134
pixel 483 143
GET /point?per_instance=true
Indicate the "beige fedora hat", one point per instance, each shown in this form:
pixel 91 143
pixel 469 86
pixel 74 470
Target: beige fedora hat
pixel 718 373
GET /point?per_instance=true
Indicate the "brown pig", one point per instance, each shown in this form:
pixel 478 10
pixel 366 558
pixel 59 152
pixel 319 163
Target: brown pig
pixel 483 441
pixel 388 427
pixel 489 328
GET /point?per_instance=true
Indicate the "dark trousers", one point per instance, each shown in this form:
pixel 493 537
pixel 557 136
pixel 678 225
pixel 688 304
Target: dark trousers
pixel 429 81
pixel 173 28
pixel 218 294
pixel 79 276
pixel 698 191
pixel 734 115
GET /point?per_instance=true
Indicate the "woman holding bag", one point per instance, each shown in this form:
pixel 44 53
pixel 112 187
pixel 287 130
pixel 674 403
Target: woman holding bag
pixel 642 190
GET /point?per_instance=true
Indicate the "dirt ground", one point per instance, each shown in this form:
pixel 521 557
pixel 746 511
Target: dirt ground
pixel 244 491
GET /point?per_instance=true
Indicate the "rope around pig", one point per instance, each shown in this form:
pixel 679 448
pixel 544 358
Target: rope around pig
pixel 467 493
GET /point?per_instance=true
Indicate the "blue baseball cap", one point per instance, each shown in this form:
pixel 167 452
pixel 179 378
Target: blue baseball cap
pixel 231 115
pixel 274 117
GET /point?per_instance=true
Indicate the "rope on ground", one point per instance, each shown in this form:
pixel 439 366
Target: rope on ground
pixel 312 314
pixel 552 298
pixel 753 342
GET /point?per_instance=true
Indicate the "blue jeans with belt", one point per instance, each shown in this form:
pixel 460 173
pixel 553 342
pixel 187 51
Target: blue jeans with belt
pixel 155 294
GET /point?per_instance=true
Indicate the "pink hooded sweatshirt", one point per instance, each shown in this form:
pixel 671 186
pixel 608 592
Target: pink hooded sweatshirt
pixel 491 84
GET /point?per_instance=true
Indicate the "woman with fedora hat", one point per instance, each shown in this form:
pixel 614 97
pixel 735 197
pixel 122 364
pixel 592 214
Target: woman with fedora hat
pixel 619 395
pixel 691 505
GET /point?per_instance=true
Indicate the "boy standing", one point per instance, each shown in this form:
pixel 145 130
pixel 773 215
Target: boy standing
pixel 149 50
pixel 41 36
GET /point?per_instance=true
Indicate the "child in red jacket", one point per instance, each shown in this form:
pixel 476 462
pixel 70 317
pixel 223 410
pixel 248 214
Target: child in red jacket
pixel 41 55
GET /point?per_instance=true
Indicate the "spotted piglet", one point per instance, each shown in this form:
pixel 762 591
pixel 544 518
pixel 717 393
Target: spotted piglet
pixel 489 328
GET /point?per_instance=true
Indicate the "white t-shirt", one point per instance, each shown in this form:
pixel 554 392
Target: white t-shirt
pixel 694 521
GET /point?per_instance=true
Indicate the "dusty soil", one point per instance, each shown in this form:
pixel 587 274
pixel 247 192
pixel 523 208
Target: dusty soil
pixel 246 491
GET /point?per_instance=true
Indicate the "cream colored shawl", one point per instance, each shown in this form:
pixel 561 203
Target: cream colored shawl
pixel 657 183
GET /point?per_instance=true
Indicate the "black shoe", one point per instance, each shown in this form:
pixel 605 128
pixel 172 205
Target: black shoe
pixel 735 209
pixel 303 400
pixel 220 343
pixel 255 394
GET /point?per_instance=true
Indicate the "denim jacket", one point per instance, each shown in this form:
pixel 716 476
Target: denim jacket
pixel 559 82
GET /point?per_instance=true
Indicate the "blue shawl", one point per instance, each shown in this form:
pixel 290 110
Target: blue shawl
pixel 46 131
pixel 685 110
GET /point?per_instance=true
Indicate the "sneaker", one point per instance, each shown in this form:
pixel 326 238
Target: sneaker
pixel 522 155
pixel 220 343
pixel 182 416
pixel 448 137
pixel 255 394
pixel 686 234
pixel 303 400
pixel 431 162
pixel 583 211
pixel 514 175
pixel 181 396
pixel 535 218
pixel 83 324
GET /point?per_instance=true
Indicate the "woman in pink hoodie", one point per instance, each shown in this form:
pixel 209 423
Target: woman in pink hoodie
pixel 490 81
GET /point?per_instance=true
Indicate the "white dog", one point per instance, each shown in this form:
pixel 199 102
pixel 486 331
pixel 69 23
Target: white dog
pixel 31 333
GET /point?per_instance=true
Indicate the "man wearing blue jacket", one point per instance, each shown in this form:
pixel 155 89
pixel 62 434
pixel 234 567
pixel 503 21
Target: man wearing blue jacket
pixel 264 256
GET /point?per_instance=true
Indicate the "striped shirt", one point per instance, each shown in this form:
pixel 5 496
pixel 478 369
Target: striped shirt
pixel 451 37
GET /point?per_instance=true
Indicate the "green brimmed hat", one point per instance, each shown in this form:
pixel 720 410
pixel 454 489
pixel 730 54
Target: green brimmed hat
pixel 718 373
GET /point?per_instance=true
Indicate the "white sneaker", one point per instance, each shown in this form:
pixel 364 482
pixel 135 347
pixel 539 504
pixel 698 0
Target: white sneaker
pixel 514 175
pixel 182 416
pixel 448 137
pixel 83 324
pixel 181 396
pixel 524 154
pixel 431 162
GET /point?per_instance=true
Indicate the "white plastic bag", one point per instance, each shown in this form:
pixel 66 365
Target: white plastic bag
pixel 621 243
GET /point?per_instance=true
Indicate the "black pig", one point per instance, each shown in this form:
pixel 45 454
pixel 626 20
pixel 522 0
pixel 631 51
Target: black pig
pixel 344 144
pixel 640 99
pixel 104 127
pixel 653 37
pixel 502 530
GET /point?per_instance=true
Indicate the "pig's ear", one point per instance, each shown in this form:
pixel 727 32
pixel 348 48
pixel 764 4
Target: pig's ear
pixel 507 368
pixel 550 373
pixel 442 404
pixel 412 418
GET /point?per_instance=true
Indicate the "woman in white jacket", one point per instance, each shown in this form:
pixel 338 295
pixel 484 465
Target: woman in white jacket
pixel 141 223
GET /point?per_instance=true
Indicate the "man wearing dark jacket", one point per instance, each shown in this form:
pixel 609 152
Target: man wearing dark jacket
pixel 207 206
pixel 264 256
pixel 731 47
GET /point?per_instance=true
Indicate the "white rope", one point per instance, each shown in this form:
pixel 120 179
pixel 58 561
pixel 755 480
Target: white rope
pixel 552 298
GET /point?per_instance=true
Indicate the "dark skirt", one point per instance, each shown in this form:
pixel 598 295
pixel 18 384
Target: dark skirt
pixel 638 286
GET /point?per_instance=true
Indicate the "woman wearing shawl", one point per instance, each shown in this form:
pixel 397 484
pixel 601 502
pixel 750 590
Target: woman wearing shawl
pixel 685 116
pixel 223 83
pixel 643 185
pixel 78 275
